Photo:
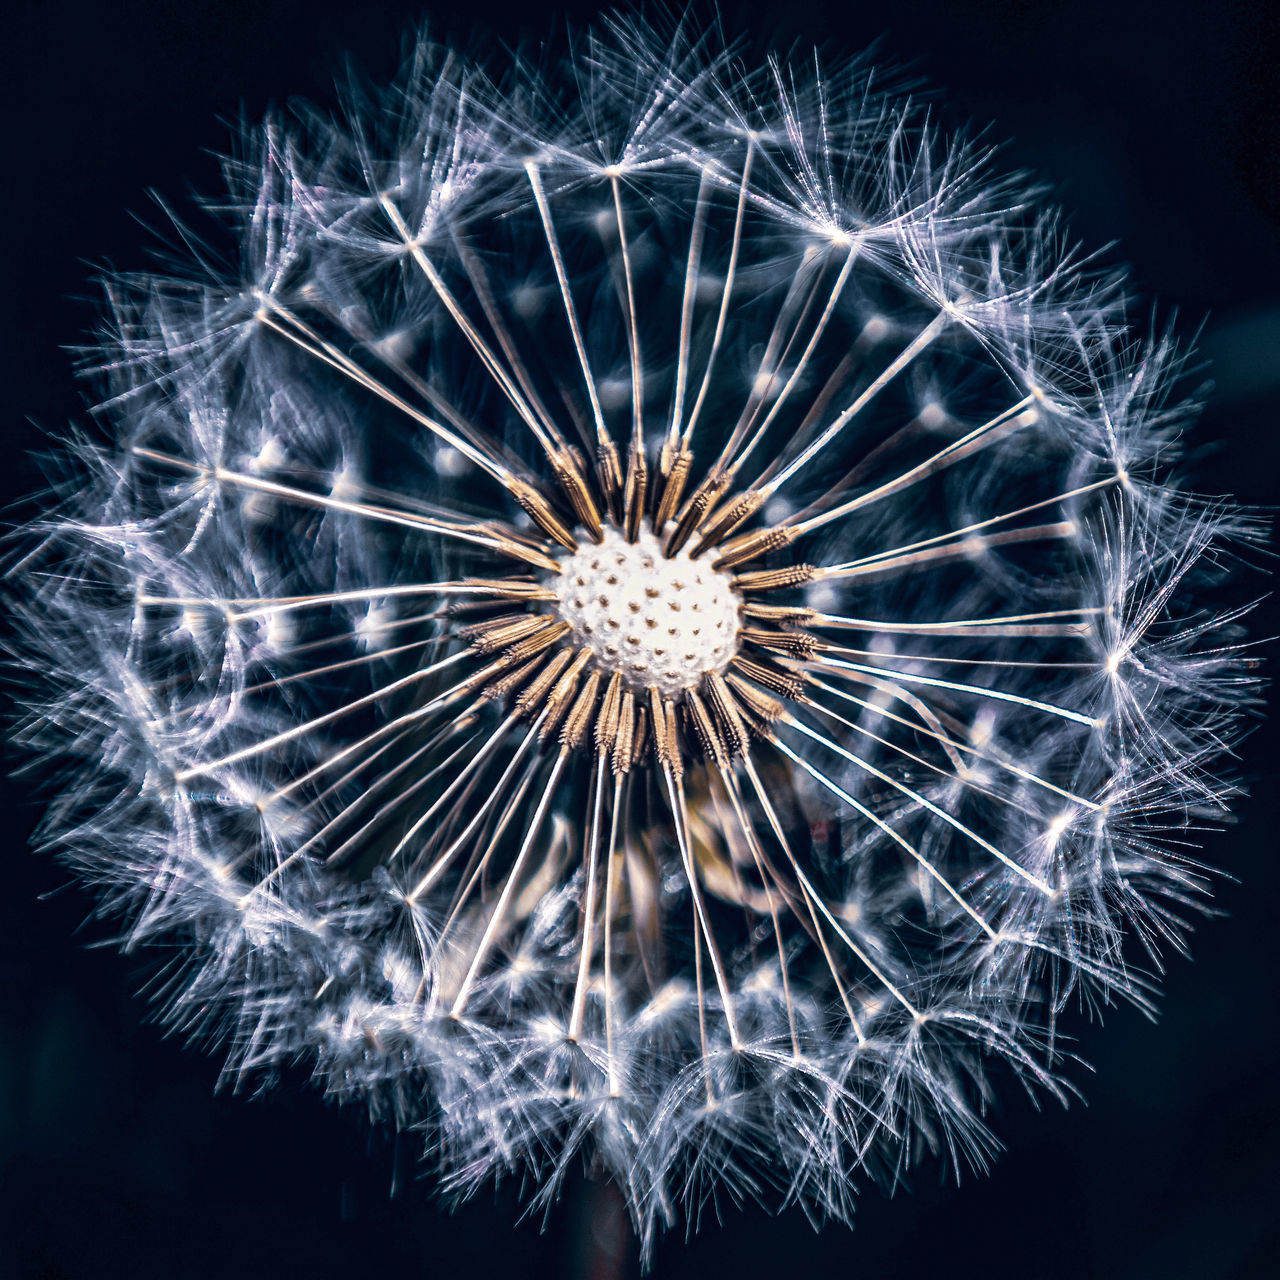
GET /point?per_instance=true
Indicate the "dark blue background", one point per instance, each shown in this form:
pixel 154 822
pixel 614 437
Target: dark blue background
pixel 1158 125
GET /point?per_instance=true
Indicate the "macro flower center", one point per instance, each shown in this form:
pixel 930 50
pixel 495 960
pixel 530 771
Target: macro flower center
pixel 660 621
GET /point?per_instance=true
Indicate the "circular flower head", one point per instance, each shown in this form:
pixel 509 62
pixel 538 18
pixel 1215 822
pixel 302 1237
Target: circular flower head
pixel 641 618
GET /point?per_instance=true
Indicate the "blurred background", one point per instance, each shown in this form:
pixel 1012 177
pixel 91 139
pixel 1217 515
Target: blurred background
pixel 1158 126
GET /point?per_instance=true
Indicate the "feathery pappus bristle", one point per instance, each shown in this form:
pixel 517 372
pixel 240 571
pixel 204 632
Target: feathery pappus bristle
pixel 639 614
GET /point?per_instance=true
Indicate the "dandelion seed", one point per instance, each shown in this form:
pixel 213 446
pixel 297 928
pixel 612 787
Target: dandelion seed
pixel 653 631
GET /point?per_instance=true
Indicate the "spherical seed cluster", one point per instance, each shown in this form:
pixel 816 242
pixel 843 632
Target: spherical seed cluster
pixel 755 915
pixel 657 620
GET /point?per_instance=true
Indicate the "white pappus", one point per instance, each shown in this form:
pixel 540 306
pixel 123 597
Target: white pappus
pixel 635 610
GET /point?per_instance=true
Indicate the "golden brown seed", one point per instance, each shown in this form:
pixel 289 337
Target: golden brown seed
pixel 542 514
pixel 675 466
pixel 532 697
pixel 509 683
pixel 624 747
pixel 741 508
pixel 799 644
pixel 499 633
pixel 704 729
pixel 780 680
pixel 568 466
pixel 560 697
pixel 578 722
pixel 607 721
pixel 775 579
pixel 727 713
pixel 750 546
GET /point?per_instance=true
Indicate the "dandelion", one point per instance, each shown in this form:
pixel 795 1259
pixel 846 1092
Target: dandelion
pixel 638 615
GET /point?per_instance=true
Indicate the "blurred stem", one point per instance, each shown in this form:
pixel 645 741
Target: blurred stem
pixel 602 1244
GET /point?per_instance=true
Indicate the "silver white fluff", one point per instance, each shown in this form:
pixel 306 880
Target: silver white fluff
pixel 973 735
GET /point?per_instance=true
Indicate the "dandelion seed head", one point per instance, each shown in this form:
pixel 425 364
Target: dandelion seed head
pixel 651 630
